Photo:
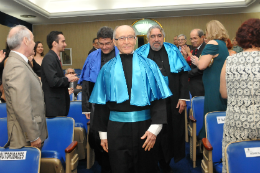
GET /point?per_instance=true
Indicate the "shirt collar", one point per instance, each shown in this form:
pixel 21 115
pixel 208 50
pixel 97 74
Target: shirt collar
pixel 199 46
pixel 22 55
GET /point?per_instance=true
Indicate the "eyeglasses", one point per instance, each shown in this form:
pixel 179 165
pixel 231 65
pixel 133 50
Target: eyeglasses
pixel 71 73
pixel 159 36
pixel 129 38
pixel 181 39
pixel 105 44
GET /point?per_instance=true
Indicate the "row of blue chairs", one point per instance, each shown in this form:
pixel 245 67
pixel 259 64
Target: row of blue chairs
pixel 59 152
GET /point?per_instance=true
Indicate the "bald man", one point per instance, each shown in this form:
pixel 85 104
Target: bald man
pixel 26 121
pixel 129 118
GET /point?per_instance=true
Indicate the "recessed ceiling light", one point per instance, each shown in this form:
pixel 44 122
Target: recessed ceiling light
pixel 28 16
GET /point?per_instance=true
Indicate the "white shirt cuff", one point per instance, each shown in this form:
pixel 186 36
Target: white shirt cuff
pixel 185 99
pixel 85 112
pixel 155 128
pixel 103 135
pixel 35 139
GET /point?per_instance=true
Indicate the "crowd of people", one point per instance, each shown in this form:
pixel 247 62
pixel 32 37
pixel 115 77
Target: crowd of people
pixel 135 99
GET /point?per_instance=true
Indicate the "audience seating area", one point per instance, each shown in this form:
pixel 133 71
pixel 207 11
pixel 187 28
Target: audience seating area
pixel 3 112
pixel 212 145
pixel 26 159
pixel 243 156
pixel 195 125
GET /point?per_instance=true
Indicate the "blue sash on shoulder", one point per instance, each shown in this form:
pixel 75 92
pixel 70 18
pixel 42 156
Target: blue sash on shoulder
pixel 92 66
pixel 148 83
pixel 176 61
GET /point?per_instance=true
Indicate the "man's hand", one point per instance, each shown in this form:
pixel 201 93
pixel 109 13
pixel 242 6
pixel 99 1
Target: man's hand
pixel 2 55
pixel 181 105
pixel 72 77
pixel 88 116
pixel 37 143
pixel 78 87
pixel 71 90
pixel 186 48
pixel 104 144
pixel 150 140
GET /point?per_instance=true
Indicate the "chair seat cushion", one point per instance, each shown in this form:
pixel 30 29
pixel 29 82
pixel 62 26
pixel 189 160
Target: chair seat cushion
pixel 218 167
pixel 53 154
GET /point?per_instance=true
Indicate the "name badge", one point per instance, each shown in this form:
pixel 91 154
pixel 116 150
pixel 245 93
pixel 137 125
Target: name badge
pixel 13 155
pixel 221 119
pixel 252 152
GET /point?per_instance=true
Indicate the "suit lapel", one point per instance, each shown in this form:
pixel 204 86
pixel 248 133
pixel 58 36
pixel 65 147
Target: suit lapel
pixel 15 55
pixel 57 60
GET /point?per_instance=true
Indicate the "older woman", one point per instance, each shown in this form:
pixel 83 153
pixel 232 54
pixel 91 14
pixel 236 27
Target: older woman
pixel 240 83
pixel 211 61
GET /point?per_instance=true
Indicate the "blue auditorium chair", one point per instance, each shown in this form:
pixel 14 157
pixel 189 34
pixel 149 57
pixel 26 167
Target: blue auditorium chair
pixel 59 151
pixel 212 144
pixel 3 132
pixel 195 124
pixel 236 159
pixel 81 127
pixel 28 162
pixel 78 72
pixel 187 112
pixel 72 97
pixel 79 96
pixel 3 111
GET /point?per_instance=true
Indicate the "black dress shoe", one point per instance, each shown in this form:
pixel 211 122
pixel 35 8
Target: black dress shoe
pixel 165 167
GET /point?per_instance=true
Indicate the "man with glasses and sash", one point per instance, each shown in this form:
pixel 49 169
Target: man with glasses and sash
pixel 129 97
pixel 174 68
pixel 88 77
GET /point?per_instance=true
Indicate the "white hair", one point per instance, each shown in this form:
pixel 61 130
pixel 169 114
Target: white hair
pixel 68 69
pixel 14 41
pixel 153 27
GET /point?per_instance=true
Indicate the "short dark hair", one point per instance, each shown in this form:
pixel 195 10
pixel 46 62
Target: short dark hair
pixel 200 33
pixel 53 36
pixel 35 47
pixel 94 40
pixel 248 34
pixel 105 32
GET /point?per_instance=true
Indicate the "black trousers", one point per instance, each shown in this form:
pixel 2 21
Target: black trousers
pixel 125 148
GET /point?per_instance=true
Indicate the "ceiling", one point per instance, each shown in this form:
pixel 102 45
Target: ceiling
pixel 72 11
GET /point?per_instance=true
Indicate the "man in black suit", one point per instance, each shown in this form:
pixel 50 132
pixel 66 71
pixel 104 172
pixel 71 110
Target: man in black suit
pixel 54 83
pixel 95 45
pixel 195 75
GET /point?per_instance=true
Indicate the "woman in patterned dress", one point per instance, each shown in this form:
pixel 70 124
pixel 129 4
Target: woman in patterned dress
pixel 240 83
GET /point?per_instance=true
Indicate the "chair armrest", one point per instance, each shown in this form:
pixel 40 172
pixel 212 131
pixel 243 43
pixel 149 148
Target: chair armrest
pixel 207 144
pixel 192 118
pixel 71 147
pixel 88 123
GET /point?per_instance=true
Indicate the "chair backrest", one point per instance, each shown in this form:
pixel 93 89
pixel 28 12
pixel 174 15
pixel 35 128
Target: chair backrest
pixel 78 72
pixel 3 111
pixel 75 112
pixel 79 96
pixel 3 132
pixel 72 97
pixel 60 134
pixel 197 105
pixel 214 133
pixel 237 160
pixel 29 160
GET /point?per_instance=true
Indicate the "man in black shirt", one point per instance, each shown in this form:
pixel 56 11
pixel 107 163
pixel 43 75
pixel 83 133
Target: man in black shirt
pixel 90 70
pixel 95 45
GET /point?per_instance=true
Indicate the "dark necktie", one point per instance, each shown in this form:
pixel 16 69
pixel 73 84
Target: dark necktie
pixel 30 64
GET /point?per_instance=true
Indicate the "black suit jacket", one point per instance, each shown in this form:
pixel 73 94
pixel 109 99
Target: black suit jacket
pixel 55 86
pixel 195 84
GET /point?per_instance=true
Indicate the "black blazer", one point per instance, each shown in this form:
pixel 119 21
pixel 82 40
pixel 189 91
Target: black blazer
pixel 55 86
pixel 195 84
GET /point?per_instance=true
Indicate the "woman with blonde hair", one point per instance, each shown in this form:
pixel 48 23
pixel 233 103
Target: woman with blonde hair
pixel 211 61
